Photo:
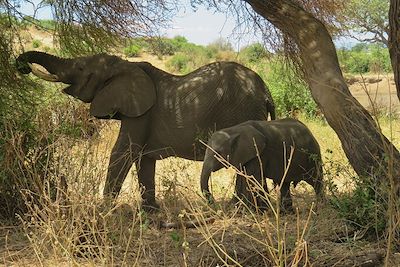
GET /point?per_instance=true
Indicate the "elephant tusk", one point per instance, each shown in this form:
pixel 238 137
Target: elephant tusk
pixel 43 75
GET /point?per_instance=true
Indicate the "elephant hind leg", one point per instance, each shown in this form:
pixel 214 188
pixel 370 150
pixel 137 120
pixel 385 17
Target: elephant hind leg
pixel 146 170
pixel 318 185
pixel 316 181
pixel 241 189
pixel 286 203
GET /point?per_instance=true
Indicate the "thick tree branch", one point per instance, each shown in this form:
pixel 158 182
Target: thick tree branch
pixel 365 146
pixel 394 41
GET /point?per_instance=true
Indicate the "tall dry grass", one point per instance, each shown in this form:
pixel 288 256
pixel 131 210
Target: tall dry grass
pixel 67 222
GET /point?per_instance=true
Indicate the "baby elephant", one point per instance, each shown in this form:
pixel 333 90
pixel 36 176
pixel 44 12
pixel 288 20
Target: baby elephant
pixel 286 148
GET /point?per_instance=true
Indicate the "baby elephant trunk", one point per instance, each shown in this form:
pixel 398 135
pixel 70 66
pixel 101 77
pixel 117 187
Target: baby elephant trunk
pixel 210 164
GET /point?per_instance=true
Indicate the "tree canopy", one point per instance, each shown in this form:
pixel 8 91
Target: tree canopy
pixel 367 20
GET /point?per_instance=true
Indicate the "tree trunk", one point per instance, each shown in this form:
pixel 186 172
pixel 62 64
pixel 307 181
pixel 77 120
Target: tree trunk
pixel 394 41
pixel 366 148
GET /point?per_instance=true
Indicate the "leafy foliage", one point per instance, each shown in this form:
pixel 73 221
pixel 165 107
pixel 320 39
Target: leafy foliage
pixel 133 50
pixel 289 91
pixel 189 58
pixel 221 44
pixel 29 128
pixel 36 43
pixel 253 53
pixel 367 20
pixel 18 132
pixel 363 58
pixel 167 47
pixel 364 207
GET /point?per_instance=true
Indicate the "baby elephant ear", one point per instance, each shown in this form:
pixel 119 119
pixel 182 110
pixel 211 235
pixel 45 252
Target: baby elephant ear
pixel 245 144
pixel 129 93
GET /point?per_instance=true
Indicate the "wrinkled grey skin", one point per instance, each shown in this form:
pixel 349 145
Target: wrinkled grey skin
pixel 273 140
pixel 161 114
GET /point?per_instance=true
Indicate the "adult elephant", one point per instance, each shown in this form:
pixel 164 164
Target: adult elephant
pixel 161 114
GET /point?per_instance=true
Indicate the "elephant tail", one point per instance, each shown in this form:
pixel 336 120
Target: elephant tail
pixel 271 110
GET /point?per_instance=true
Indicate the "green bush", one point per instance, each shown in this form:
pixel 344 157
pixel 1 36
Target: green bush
pixel 218 46
pixel 179 43
pixel 36 43
pixel 19 142
pixel 168 47
pixel 364 207
pixel 363 58
pixel 290 93
pixel 190 58
pixel 178 63
pixel 133 50
pixel 380 59
pixel 253 53
pixel 46 24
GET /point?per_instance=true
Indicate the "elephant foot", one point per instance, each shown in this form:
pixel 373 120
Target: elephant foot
pixel 150 207
pixel 287 209
pixel 262 205
pixel 234 201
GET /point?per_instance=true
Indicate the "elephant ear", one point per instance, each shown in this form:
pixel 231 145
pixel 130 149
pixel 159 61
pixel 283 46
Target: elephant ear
pixel 129 93
pixel 244 145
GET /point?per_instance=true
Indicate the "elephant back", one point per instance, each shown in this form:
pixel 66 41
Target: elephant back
pixel 215 96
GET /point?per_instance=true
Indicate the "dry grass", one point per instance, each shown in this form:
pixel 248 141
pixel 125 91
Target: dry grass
pixel 82 230
pixel 78 229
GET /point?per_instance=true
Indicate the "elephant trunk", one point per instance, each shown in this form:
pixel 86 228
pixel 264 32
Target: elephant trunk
pixel 209 165
pixel 54 65
pixel 205 176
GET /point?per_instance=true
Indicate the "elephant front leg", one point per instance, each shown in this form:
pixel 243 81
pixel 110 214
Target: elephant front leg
pixel 243 191
pixel 146 170
pixel 122 157
pixel 252 188
pixel 127 149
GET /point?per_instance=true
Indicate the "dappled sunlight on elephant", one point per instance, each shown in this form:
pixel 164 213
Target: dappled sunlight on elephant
pixel 161 114
pixel 282 150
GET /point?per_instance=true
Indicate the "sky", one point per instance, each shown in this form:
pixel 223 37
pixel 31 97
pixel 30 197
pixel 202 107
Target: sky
pixel 200 27
pixel 205 26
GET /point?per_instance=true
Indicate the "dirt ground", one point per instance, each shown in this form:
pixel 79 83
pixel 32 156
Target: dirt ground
pixel 376 92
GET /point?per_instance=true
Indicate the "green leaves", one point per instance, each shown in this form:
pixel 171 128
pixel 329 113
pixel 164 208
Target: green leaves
pixel 289 92
pixel 363 58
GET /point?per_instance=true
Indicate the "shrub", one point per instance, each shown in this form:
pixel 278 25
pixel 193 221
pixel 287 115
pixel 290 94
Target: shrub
pixel 364 207
pixel 168 47
pixel 179 43
pixel 191 58
pixel 36 43
pixel 19 141
pixel 253 53
pixel 225 56
pixel 46 24
pixel 133 50
pixel 221 44
pixel 380 59
pixel 30 130
pixel 178 63
pixel 290 93
pixel 363 58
